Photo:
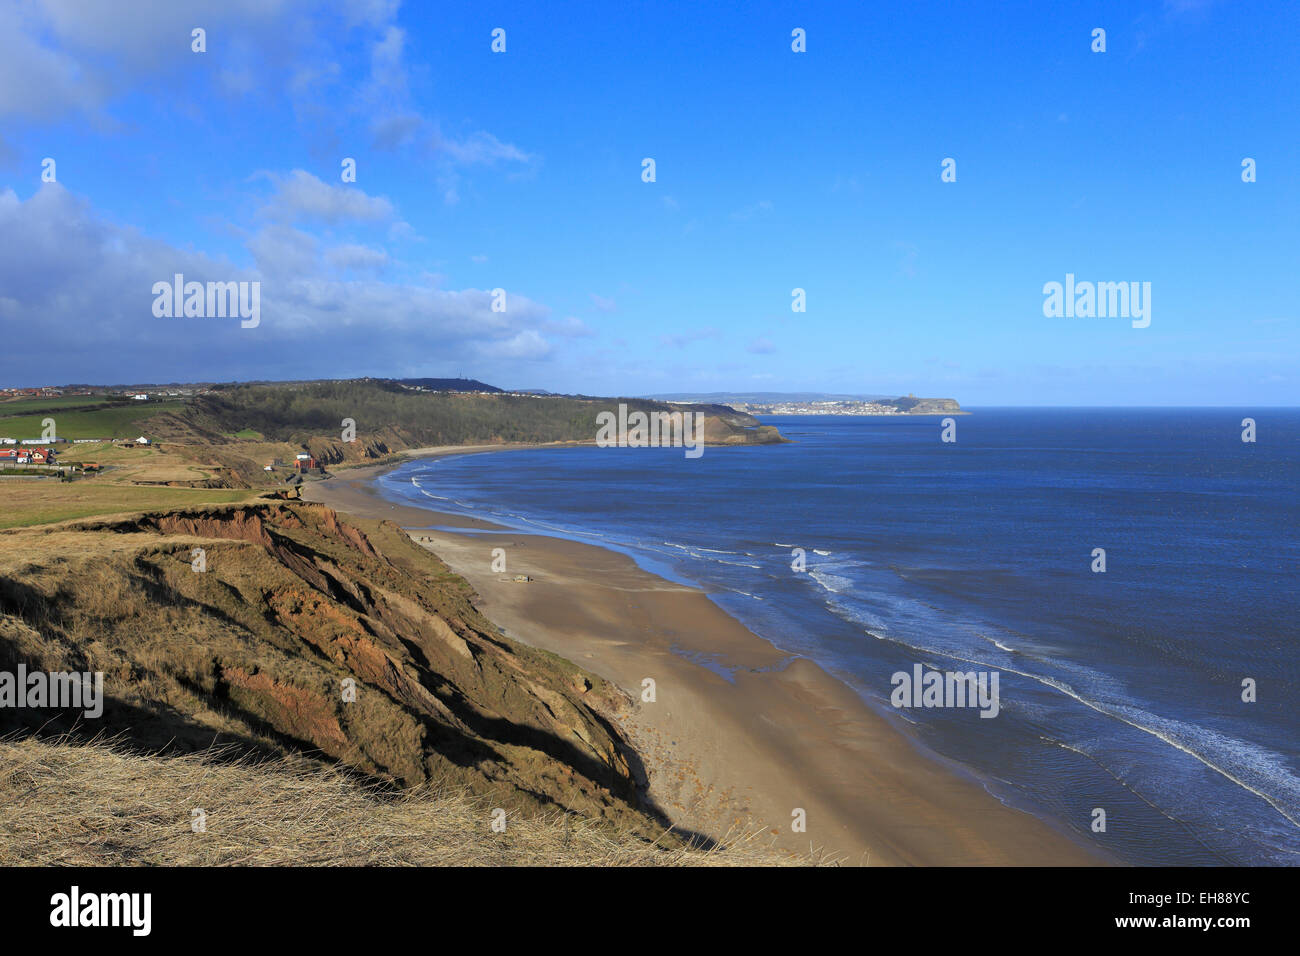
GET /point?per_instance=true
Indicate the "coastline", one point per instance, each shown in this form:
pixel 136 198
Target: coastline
pixel 722 753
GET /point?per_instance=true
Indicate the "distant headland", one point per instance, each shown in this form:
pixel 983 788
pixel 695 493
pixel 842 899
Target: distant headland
pixel 821 403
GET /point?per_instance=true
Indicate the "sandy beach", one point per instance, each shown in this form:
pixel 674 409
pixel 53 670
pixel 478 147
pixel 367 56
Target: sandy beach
pixel 722 754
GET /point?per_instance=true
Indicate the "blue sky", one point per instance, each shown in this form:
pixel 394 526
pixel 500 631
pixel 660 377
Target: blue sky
pixel 775 170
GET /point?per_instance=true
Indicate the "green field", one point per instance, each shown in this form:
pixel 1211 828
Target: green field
pixel 117 421
pixel 33 406
pixel 47 501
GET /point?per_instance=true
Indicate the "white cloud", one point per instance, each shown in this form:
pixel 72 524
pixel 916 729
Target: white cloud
pixel 356 257
pixel 374 12
pixel 403 232
pixel 527 344
pixel 69 275
pixel 282 252
pixel 58 56
pixel 81 56
pixel 387 68
pixel 301 196
pixel 396 130
pixel 479 148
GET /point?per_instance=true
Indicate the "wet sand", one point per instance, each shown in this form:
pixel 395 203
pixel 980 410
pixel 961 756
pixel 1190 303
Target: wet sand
pixel 725 754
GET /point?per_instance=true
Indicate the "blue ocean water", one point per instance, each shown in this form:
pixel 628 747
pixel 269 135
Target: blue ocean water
pixel 1119 690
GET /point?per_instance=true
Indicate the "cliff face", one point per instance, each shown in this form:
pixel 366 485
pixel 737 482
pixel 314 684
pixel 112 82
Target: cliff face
pixel 724 425
pixel 306 634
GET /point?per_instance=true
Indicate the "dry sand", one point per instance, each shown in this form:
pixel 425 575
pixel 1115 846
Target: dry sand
pixel 783 734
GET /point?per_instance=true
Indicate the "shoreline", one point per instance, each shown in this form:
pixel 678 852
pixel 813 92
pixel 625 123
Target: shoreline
pixel 723 753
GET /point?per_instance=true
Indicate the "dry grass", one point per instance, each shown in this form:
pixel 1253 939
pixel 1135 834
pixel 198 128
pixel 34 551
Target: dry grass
pixel 96 804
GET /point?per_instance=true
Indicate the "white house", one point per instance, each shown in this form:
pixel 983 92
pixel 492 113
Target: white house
pixel 303 457
pixel 140 398
pixel 142 440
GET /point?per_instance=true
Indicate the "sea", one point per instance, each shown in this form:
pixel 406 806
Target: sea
pixel 1128 573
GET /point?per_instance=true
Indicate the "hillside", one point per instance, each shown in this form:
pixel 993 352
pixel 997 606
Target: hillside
pixel 256 652
pixel 208 444
pixel 390 417
pixel 448 384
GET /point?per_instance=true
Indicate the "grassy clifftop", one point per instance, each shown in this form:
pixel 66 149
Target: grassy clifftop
pixel 258 652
